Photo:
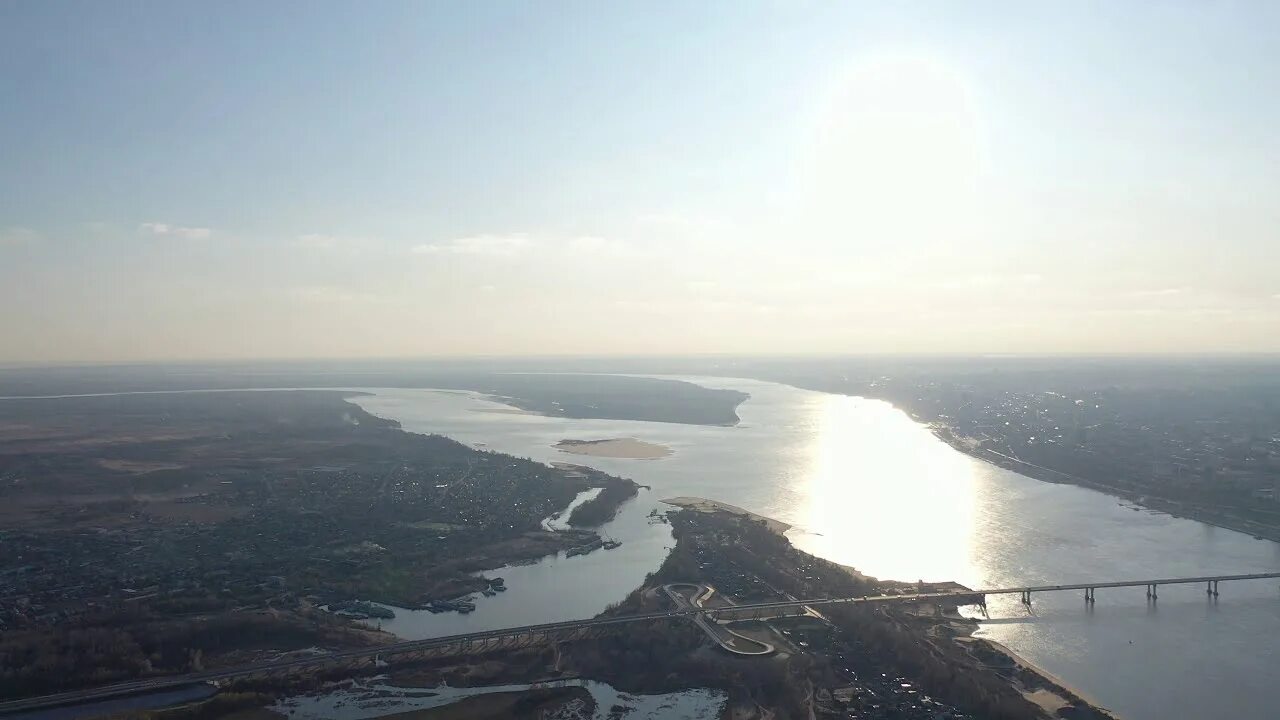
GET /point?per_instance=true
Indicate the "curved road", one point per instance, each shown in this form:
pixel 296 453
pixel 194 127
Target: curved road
pixel 713 628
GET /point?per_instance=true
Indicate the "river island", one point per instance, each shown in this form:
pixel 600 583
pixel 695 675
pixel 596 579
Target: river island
pixel 626 448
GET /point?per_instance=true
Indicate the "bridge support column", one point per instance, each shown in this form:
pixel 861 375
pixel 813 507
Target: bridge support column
pixel 1213 588
pixel 1151 592
pixel 1088 595
pixel 1026 597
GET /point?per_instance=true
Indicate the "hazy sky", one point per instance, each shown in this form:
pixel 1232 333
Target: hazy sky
pixel 271 179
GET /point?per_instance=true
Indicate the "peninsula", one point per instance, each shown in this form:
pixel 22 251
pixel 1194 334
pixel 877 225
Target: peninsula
pixel 160 534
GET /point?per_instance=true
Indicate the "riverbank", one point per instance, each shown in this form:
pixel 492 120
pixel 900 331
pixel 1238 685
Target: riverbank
pixel 875 662
pixel 1034 682
pixel 1046 689
pixel 932 647
pixel 969 446
pixel 982 533
pixel 623 448
pixel 462 576
pixel 598 505
pixel 704 505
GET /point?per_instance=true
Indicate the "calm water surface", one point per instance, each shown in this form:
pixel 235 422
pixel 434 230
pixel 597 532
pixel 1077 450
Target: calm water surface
pixel 864 485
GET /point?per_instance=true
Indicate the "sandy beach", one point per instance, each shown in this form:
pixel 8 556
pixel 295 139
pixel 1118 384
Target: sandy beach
pixel 1047 698
pixel 626 448
pixel 708 506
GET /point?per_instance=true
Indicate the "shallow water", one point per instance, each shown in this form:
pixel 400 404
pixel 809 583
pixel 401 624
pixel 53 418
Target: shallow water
pixel 864 485
pixel 359 701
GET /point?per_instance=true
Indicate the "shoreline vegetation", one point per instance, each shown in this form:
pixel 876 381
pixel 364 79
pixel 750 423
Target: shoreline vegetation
pixel 1059 693
pixel 416 506
pixel 569 394
pixel 703 505
pixel 608 397
pixel 747 558
pixel 1032 681
pixel 969 446
pixel 932 645
pixel 603 507
pixel 624 448
pixel 880 662
pixel 614 492
pixel 209 529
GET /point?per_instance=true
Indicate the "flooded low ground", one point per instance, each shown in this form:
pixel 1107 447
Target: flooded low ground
pixel 362 700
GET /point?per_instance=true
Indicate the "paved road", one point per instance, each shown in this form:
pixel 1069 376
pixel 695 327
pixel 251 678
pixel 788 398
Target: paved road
pixel 721 635
pixel 339 657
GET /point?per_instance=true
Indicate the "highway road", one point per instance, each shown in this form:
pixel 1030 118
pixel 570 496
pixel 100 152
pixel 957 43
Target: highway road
pixel 720 634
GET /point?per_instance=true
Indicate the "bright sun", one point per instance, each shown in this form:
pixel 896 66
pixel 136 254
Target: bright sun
pixel 897 152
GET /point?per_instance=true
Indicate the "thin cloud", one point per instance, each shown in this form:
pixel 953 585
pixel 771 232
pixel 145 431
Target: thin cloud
pixel 986 280
pixel 324 241
pixel 317 241
pixel 499 246
pixel 18 236
pixel 594 245
pixel 160 229
pixel 331 294
pixel 1159 292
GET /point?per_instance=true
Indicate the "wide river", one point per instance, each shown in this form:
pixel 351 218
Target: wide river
pixel 864 485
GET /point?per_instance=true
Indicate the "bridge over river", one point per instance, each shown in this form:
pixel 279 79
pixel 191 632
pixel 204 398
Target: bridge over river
pixel 490 640
pixel 978 597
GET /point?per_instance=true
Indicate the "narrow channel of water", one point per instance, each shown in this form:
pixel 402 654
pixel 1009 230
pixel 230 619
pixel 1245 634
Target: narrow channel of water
pixel 560 520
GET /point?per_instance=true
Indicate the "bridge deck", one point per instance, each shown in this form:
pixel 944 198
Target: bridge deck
pixel 1136 583
pixel 999 591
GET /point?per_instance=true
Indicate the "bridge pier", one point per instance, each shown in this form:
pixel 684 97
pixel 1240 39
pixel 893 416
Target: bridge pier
pixel 1088 595
pixel 1213 588
pixel 1026 597
pixel 1151 592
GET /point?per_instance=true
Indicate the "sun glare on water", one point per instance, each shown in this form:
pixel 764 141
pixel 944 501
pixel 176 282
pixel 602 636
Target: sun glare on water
pixel 871 466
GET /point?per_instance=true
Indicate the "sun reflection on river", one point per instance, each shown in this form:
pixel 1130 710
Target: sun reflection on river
pixel 866 486
pixel 869 467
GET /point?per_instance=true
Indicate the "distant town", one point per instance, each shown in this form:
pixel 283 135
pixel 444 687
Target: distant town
pixel 1189 436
